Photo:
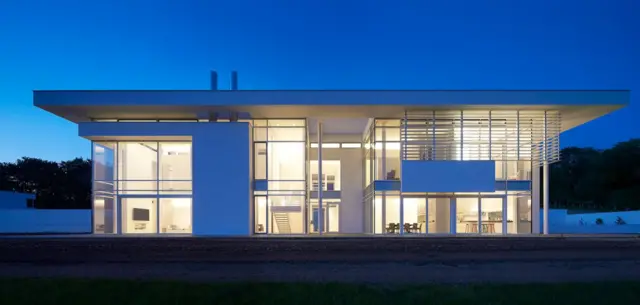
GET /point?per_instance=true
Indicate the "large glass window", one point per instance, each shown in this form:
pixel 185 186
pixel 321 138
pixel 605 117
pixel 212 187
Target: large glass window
pixel 330 175
pixel 439 215
pixel 139 215
pixel 392 214
pixel 491 215
pixel 104 190
pixel 286 214
pixel 175 161
pixel 260 213
pixel 387 149
pixel 378 226
pixel 150 169
pixel 467 215
pixel 519 213
pixel 175 215
pixel 280 157
pixel 415 215
pixel 286 160
pixel 138 161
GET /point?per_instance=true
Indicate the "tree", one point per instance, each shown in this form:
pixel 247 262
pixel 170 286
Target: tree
pixel 64 185
pixel 608 180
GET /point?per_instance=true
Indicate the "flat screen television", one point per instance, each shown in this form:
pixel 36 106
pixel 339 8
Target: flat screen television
pixel 140 214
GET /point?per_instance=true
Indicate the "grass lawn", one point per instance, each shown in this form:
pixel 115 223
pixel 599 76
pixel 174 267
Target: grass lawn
pixel 122 292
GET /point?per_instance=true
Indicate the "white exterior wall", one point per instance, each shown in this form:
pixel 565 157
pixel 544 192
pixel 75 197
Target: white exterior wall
pixel 21 221
pixel 221 181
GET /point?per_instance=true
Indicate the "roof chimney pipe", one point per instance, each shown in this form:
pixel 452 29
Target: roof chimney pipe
pixel 234 80
pixel 214 80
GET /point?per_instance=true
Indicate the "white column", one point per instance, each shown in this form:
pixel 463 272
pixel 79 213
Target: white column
pixel 535 199
pixel 453 221
pixel 545 197
pixel 320 180
pixel 401 214
pixel 505 217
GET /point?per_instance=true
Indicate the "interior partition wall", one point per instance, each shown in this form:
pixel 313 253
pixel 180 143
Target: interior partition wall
pixel 280 170
pixel 142 187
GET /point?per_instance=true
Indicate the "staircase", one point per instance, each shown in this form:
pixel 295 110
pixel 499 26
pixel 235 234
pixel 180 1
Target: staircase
pixel 282 220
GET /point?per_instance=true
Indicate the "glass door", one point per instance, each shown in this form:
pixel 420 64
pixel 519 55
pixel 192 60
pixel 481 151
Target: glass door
pixel 467 215
pixel 438 215
pixel 260 215
pixel 491 221
pixel 138 215
pixel 330 213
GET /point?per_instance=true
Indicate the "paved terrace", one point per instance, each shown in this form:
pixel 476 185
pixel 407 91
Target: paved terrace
pixel 350 259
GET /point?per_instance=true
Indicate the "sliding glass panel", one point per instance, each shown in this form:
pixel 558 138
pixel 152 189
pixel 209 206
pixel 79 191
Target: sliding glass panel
pixel 415 215
pixel 392 214
pixel 439 218
pixel 491 209
pixel 467 215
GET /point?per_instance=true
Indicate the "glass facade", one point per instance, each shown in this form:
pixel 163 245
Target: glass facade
pixel 142 187
pixel 146 186
pixel 516 141
pixel 280 163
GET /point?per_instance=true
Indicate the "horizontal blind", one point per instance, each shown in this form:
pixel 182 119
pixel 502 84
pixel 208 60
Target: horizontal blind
pixel 499 135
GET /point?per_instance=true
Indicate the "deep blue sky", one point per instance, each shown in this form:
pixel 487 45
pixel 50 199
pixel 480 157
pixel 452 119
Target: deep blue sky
pixel 296 44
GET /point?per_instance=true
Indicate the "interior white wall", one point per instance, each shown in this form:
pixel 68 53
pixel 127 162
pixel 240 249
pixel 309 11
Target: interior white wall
pixel 439 215
pixel 351 211
pixel 128 224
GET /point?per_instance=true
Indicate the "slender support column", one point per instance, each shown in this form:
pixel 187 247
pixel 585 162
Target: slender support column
pixel 535 198
pixel 320 223
pixel 401 214
pixel 505 227
pixel 545 196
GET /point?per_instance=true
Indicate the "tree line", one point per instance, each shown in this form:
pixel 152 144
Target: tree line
pixel 57 185
pixel 585 178
pixel 591 179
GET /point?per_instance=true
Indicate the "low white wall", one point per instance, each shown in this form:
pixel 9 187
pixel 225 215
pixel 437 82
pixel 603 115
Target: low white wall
pixel 560 222
pixel 595 229
pixel 609 218
pixel 45 221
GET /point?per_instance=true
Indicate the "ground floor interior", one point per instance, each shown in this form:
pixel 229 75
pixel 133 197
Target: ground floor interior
pixel 386 214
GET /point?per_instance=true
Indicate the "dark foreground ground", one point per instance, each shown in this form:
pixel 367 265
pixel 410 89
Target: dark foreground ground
pixel 356 260
pixel 123 292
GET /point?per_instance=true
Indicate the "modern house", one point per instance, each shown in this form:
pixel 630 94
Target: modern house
pixel 254 162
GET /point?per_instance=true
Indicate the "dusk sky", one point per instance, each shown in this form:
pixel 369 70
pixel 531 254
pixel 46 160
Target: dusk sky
pixel 296 44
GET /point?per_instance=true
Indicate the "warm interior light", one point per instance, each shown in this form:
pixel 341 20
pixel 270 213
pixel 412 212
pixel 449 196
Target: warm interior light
pixel 351 145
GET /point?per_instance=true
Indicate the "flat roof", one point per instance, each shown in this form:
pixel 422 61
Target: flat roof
pixel 576 106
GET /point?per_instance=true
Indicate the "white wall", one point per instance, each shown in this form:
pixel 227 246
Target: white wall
pixel 45 221
pixel 351 209
pixel 562 223
pixel 221 182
